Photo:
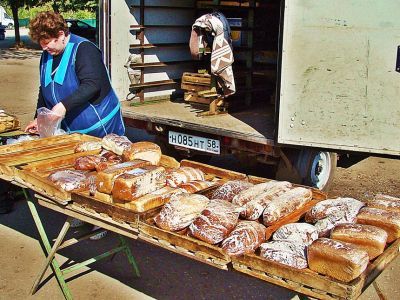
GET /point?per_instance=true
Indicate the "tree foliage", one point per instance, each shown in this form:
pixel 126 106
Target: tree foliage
pixel 64 7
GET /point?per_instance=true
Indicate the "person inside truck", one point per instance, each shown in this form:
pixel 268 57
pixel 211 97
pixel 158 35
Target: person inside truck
pixel 74 82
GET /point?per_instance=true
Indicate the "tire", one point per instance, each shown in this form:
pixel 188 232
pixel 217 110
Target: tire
pixel 310 167
pixel 10 26
pixel 318 168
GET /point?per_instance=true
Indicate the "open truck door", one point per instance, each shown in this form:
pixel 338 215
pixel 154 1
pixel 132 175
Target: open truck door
pixel 339 89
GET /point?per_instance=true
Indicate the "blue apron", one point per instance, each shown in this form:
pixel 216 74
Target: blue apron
pixel 96 120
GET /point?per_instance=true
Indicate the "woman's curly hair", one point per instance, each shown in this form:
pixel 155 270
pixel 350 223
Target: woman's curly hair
pixel 47 25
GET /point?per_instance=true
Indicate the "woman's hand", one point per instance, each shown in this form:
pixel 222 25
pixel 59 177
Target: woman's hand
pixel 59 109
pixel 32 127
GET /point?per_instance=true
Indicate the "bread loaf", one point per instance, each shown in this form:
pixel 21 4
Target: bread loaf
pixel 180 211
pixel 111 156
pixel 255 207
pixel 366 237
pixel 387 220
pixel 115 143
pixel 143 150
pixel 105 179
pixel 285 204
pixel 195 186
pixel 324 226
pixel 176 177
pixel 87 146
pixel 245 238
pixel 249 194
pixel 215 222
pixel 138 182
pixel 386 204
pixel 285 252
pixel 296 232
pixel 325 208
pixel 230 189
pixel 88 162
pixel 152 200
pixel 339 260
pixel 69 180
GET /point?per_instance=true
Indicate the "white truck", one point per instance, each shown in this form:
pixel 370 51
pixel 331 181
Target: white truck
pixel 5 19
pixel 323 79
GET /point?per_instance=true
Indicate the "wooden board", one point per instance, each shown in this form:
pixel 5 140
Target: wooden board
pixel 183 244
pixel 35 175
pixel 311 283
pixel 37 150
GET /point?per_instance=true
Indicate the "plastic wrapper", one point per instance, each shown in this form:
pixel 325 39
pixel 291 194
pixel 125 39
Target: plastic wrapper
pixel 48 123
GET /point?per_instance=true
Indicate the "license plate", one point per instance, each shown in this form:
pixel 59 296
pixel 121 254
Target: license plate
pixel 194 142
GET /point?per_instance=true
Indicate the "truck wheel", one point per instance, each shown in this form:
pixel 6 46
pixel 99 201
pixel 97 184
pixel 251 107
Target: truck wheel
pixel 10 26
pixel 310 167
pixel 319 167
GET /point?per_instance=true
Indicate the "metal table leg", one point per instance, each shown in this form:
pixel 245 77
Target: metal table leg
pixel 58 244
pixel 56 267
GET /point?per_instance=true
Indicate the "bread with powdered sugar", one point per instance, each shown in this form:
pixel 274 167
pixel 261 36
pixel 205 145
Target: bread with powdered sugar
pixel 285 252
pixel 285 204
pixel 245 238
pixel 180 211
pixel 215 222
pixel 296 232
pixel 253 209
pixel 230 189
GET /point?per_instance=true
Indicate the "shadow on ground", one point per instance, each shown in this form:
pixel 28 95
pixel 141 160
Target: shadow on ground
pixel 20 53
pixel 164 275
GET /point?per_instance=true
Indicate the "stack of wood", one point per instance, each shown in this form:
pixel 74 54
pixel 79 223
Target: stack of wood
pixel 200 89
pixel 8 122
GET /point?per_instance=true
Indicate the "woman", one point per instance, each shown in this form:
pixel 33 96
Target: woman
pixel 74 82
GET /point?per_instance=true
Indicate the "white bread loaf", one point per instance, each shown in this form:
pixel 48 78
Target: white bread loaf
pixel 152 200
pixel 215 222
pixel 196 186
pixel 105 179
pixel 285 204
pixel 339 260
pixel 296 232
pixel 138 182
pixel 386 204
pixel 148 151
pixel 87 146
pixel 176 177
pixel 327 207
pixel 285 252
pixel 230 189
pixel 254 208
pixel 366 237
pixel 180 211
pixel 245 238
pixel 249 194
pixel 69 180
pixel 115 143
pixel 387 220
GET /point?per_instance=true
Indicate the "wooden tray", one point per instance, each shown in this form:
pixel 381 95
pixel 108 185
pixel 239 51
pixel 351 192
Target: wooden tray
pixel 35 175
pixel 26 152
pixel 311 283
pixel 102 203
pixel 183 244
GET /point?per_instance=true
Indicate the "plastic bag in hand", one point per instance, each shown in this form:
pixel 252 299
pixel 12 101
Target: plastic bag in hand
pixel 48 122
